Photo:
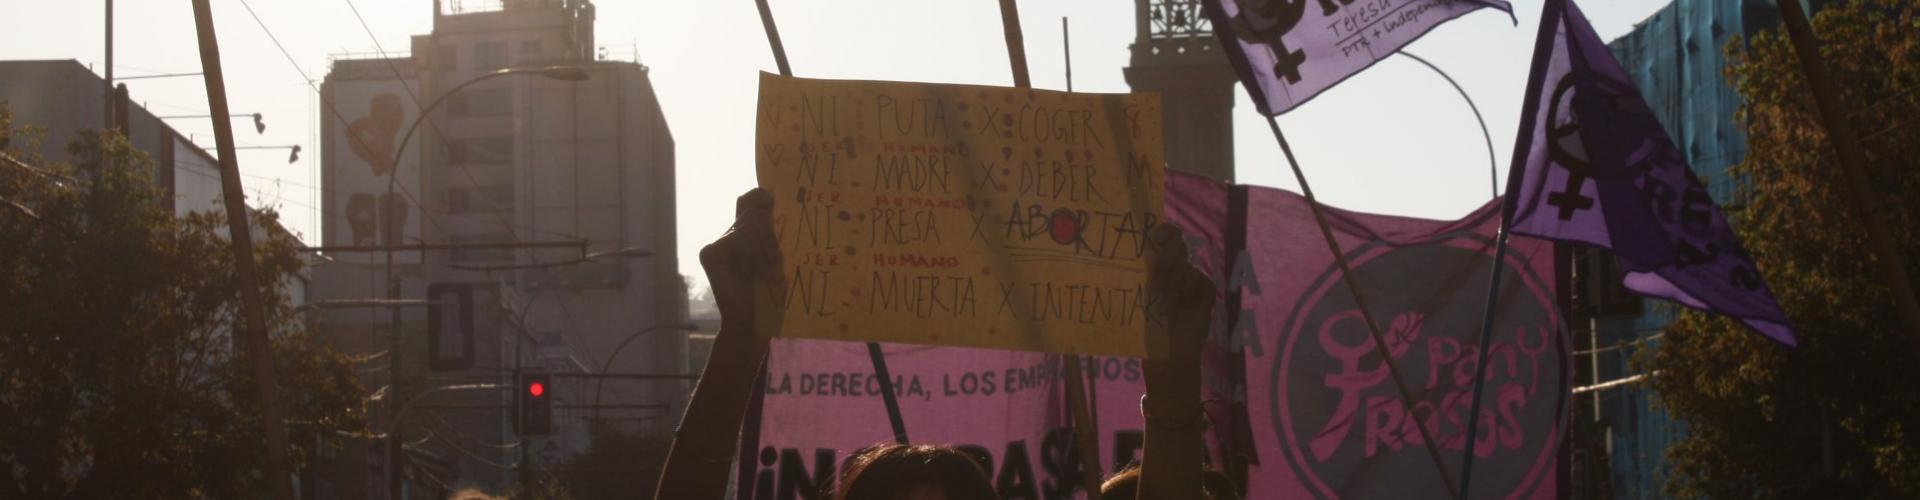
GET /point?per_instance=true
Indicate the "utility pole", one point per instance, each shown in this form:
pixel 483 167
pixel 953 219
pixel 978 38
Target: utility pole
pixel 1868 205
pixel 106 122
pixel 252 337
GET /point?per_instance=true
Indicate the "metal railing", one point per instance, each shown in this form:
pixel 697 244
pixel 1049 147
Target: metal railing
pixel 1177 20
pixel 475 6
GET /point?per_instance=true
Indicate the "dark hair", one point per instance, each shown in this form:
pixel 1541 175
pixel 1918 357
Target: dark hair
pixel 1219 485
pixel 471 494
pixel 1125 485
pixel 882 471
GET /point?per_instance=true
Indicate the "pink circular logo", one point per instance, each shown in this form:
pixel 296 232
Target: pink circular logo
pixel 1341 417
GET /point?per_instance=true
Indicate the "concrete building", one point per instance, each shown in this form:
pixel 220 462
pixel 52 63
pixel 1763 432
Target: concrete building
pixel 1176 54
pixel 66 99
pixel 502 160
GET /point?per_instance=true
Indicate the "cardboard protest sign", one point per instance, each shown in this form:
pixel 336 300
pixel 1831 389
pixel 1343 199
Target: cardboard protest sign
pixel 961 215
pixel 1323 420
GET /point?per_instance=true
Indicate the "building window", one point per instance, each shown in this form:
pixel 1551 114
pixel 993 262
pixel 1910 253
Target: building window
pixel 488 56
pixel 495 198
pixel 530 50
pixel 497 150
pixel 480 102
pixel 457 104
pixel 444 59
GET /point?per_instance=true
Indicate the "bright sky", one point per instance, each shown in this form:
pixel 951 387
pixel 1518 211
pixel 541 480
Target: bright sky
pixel 1396 139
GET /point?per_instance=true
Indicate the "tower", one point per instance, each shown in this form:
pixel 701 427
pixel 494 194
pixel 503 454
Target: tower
pixel 1176 55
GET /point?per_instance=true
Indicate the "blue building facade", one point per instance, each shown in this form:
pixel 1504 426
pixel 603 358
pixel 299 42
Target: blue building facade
pixel 1678 59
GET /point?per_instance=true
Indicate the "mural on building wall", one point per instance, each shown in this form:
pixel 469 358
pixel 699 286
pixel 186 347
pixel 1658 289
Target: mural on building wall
pixel 374 135
pixel 365 214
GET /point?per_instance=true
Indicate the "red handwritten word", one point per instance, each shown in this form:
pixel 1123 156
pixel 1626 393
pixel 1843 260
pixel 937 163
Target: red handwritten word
pixel 919 202
pixel 911 260
pixel 945 149
pixel 818 259
pixel 828 197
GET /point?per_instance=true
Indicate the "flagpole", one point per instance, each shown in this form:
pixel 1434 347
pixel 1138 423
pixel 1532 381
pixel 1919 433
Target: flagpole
pixel 1866 204
pixel 1543 45
pixel 1480 365
pixel 874 352
pixel 1359 300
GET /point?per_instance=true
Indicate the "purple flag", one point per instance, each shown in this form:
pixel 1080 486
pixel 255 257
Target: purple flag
pixel 1288 51
pixel 1592 165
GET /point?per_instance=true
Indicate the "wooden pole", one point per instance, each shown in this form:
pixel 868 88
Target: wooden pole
pixel 107 111
pixel 1016 44
pixel 1868 205
pixel 254 342
pixel 1066 47
pixel 1085 427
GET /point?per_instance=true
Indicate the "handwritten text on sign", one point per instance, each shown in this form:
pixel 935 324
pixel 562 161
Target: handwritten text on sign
pixel 962 215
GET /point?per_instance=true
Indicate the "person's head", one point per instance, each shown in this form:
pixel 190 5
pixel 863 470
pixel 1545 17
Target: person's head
pixel 922 472
pixel 471 494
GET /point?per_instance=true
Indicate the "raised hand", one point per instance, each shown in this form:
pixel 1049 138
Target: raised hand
pixel 1171 465
pixel 703 447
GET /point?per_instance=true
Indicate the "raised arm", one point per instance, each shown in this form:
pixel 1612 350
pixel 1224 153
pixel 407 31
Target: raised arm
pixel 703 447
pixel 1171 465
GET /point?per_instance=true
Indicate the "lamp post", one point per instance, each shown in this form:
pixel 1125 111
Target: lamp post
pixel 633 252
pixel 600 386
pixel 1493 164
pixel 563 73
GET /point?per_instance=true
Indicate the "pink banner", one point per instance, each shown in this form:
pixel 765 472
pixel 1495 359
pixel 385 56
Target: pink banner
pixel 1295 386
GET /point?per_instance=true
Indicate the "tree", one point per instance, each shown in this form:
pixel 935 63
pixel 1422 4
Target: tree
pixel 117 370
pixel 1839 416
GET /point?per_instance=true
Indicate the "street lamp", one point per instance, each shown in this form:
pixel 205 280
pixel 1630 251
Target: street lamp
pixel 600 388
pixel 259 122
pixel 562 73
pixel 291 158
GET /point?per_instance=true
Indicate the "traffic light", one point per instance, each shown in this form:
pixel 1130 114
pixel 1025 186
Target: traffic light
pixel 534 404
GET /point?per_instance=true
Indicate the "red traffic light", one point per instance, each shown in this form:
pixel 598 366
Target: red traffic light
pixel 536 389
